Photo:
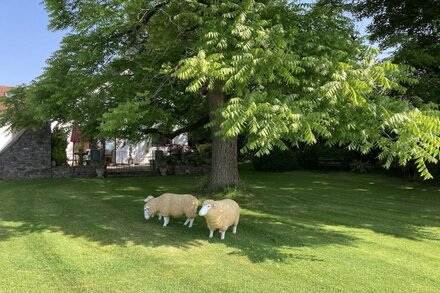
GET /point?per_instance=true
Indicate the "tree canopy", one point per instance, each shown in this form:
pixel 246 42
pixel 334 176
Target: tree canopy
pixel 277 72
pixel 412 28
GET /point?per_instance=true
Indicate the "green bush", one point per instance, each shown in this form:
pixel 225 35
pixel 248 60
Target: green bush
pixel 59 145
pixel 309 156
pixel 172 160
pixel 358 166
pixel 205 150
pixel 195 160
pixel 277 161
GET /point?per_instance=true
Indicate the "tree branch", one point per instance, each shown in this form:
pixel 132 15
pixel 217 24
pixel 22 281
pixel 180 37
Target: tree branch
pixel 197 124
pixel 147 14
pixel 143 18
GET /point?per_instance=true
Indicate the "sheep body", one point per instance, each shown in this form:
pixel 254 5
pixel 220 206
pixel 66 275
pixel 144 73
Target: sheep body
pixel 220 215
pixel 172 205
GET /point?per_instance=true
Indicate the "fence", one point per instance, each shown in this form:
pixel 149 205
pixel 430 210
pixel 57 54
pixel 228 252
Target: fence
pixel 136 160
pixel 129 170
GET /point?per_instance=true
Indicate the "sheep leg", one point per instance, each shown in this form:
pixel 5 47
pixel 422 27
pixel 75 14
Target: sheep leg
pixel 166 220
pixel 222 235
pixel 186 222
pixel 160 217
pixel 191 221
pixel 234 229
pixel 211 233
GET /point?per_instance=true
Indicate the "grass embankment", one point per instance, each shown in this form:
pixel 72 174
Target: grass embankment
pixel 299 231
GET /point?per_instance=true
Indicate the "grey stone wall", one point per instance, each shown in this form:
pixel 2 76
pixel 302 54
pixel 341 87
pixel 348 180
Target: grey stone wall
pixel 189 169
pixel 28 156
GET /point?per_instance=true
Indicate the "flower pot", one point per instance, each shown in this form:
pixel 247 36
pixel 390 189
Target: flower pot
pixel 100 172
pixel 163 171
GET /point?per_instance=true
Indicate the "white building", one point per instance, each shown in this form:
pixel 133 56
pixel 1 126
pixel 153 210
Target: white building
pixel 5 135
pixel 142 152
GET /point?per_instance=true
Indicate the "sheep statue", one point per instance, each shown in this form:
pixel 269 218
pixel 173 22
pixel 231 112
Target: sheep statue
pixel 220 215
pixel 171 205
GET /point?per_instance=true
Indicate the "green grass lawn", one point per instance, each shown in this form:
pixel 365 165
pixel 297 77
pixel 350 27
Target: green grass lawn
pixel 299 232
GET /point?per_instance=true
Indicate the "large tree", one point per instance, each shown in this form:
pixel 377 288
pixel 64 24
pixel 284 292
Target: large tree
pixel 278 72
pixel 411 28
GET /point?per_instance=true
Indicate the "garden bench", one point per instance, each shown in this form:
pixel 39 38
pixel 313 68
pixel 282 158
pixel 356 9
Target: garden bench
pixel 330 162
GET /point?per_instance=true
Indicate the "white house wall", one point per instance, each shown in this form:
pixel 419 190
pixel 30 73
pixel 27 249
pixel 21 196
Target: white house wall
pixel 139 153
pixel 142 152
pixel 181 139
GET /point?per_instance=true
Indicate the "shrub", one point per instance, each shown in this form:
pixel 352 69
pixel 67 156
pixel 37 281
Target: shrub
pixel 172 160
pixel 277 161
pixel 205 150
pixel 357 166
pixel 309 156
pixel 195 160
pixel 59 145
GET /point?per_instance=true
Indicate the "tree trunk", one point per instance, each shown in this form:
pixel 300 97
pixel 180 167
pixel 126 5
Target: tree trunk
pixel 224 167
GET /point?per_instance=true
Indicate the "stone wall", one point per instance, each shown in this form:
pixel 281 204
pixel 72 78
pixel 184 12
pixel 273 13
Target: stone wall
pixel 72 172
pixel 189 169
pixel 27 156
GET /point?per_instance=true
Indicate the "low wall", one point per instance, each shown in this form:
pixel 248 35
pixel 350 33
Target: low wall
pixel 189 169
pixel 72 172
pixel 90 172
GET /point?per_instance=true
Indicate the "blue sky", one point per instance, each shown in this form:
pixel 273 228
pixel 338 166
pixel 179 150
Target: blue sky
pixel 25 41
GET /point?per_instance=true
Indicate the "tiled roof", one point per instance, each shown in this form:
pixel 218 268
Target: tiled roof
pixel 3 90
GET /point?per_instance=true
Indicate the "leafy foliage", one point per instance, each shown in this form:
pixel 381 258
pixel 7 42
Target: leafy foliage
pixel 412 27
pixel 277 160
pixel 21 110
pixel 59 145
pixel 291 73
pixel 292 78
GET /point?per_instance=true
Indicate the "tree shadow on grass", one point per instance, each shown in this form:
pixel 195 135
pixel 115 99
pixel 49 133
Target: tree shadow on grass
pixel 110 213
pixel 389 206
pixel 265 238
pixel 279 216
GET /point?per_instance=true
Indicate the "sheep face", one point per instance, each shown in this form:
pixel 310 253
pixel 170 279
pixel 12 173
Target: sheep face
pixel 207 205
pixel 147 214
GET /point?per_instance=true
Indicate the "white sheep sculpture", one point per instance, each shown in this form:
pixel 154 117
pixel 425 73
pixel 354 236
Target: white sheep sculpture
pixel 171 205
pixel 221 215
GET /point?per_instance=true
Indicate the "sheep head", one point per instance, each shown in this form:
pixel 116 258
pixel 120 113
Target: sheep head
pixel 147 212
pixel 207 206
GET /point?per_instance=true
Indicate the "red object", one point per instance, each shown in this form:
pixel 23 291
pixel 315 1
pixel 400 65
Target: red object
pixel 75 136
